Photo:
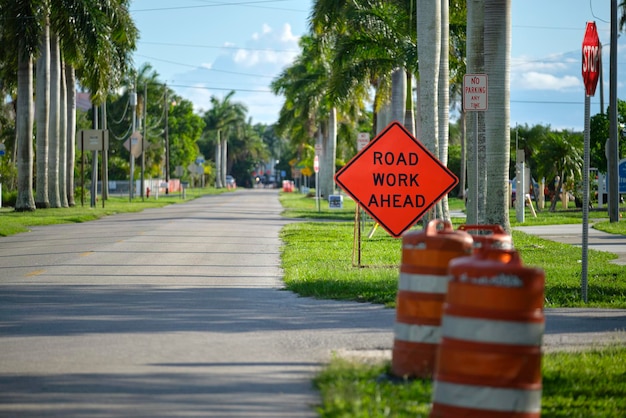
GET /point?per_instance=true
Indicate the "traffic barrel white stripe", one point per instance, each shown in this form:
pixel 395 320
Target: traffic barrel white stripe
pixel 426 283
pixel 422 287
pixel 493 331
pixel 417 333
pixel 488 398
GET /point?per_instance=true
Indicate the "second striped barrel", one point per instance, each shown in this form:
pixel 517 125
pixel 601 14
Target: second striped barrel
pixel 422 287
pixel 489 359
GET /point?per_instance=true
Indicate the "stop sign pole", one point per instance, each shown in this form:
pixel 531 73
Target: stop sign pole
pixel 591 62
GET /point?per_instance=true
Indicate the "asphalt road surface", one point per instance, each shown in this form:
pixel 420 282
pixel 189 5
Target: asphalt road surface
pixel 170 312
pixel 180 311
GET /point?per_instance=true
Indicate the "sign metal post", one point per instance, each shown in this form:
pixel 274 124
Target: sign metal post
pixel 591 62
pixel 475 99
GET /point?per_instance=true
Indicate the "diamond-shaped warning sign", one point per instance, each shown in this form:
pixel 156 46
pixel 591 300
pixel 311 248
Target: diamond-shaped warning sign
pixel 395 179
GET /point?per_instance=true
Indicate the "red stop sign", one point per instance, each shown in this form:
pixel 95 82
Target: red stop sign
pixel 591 58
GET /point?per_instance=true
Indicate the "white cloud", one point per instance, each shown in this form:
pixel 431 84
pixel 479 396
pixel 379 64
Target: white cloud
pixel 287 35
pixel 534 80
pixel 268 48
pixel 550 64
pixel 248 70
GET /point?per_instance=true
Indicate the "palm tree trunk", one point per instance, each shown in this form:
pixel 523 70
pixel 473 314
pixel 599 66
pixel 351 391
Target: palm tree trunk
pixel 24 131
pixel 62 138
pixel 224 160
pixel 409 112
pixel 53 150
pixel 329 155
pixel 463 178
pixel 43 115
pixel 428 49
pixel 70 79
pixel 398 95
pixel 444 100
pixel 475 121
pixel 497 66
pixel 218 161
pixel 383 117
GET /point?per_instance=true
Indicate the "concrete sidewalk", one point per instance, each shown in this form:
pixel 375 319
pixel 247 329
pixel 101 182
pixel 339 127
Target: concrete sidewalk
pixel 572 234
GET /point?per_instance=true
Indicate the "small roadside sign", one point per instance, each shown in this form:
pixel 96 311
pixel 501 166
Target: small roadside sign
pixel 316 164
pixel 93 139
pixel 475 92
pixel 2 149
pixel 362 139
pixel 134 144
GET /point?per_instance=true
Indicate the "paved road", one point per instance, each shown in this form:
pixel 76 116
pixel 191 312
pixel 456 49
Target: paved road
pixel 179 311
pixel 171 312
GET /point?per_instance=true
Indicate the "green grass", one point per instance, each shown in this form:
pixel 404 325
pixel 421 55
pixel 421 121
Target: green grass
pixel 12 222
pixel 319 260
pixel 298 205
pixel 352 389
pixel 611 227
pixel 574 385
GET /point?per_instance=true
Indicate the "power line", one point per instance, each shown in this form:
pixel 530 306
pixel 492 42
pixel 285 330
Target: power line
pixel 220 88
pixel 204 68
pixel 235 48
pixel 219 4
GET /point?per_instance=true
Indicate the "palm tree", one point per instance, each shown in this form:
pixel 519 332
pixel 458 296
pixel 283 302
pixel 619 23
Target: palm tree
pixel 304 86
pixel 70 78
pixel 443 99
pixel 43 117
pixel 476 144
pixel 497 65
pixel 561 157
pixel 55 122
pixel 458 69
pixel 22 27
pixel 429 51
pixel 222 118
pixel 372 42
pixel 374 45
pixel 97 41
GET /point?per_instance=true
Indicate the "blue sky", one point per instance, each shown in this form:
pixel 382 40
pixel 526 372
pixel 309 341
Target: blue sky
pixel 204 48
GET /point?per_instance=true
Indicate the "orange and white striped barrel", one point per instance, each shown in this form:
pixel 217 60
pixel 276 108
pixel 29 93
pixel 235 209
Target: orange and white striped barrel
pixel 489 359
pixel 422 287
pixel 488 236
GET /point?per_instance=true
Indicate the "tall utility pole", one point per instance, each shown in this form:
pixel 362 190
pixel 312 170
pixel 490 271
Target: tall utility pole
pixel 613 148
pixel 133 103
pixel 94 164
pixel 167 144
pixel 143 139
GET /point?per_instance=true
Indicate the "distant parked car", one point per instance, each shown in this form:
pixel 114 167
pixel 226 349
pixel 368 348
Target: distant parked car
pixel 230 182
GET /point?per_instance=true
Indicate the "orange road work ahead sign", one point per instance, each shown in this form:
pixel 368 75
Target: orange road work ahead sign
pixel 395 179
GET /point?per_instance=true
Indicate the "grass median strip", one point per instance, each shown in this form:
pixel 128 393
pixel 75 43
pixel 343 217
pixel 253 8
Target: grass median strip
pixel 575 385
pixel 12 222
pixel 317 262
